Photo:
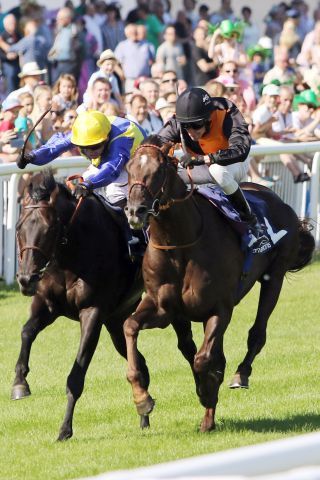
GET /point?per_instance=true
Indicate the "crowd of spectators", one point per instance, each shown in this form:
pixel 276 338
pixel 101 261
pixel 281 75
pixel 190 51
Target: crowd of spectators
pixel 89 56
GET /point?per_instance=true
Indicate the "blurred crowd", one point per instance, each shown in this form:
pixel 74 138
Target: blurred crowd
pixel 89 56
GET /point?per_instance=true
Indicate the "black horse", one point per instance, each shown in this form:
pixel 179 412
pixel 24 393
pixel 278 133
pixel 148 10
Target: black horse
pixel 193 272
pixel 73 261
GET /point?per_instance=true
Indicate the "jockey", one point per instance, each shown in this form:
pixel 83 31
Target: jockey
pixel 108 142
pixel 214 130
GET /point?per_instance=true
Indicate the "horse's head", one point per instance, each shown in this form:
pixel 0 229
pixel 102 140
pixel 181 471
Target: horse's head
pixel 37 230
pixel 149 177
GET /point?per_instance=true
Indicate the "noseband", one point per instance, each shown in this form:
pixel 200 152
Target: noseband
pixel 156 205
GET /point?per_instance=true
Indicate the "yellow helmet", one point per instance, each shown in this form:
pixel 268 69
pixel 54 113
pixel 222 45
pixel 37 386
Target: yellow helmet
pixel 90 128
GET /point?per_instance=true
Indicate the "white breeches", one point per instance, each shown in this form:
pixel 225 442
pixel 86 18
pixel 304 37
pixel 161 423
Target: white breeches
pixel 227 177
pixel 115 191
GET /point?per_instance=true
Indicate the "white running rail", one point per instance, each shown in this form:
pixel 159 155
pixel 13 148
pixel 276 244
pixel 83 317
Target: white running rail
pixel 304 198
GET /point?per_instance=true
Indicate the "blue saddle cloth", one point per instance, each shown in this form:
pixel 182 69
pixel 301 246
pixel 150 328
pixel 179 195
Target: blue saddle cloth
pixel 220 200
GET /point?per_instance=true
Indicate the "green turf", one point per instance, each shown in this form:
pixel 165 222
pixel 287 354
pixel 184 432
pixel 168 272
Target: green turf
pixel 283 399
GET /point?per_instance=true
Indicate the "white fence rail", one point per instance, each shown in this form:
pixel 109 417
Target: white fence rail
pixel 296 458
pixel 303 198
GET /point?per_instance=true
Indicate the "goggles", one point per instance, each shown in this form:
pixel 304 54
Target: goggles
pixel 193 125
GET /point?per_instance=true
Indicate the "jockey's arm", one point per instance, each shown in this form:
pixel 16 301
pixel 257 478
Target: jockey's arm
pixel 58 143
pixel 113 162
pixel 236 131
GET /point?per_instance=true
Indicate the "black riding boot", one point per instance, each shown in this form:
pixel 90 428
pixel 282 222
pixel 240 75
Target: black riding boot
pixel 239 202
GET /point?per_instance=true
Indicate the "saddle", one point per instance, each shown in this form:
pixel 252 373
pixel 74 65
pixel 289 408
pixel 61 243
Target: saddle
pixel 219 199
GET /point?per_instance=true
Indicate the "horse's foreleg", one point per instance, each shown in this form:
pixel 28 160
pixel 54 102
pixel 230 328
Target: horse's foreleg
pixel 117 335
pixel 186 345
pixel 210 363
pixel 269 295
pixel 90 332
pixel 39 319
pixel 146 316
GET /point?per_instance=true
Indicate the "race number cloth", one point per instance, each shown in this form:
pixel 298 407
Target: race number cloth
pixel 218 198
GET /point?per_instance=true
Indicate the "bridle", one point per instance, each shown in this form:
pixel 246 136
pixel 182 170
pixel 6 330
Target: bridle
pixel 159 207
pixel 156 205
pixel 21 251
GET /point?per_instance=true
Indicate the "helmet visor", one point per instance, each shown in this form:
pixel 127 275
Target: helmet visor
pixel 92 151
pixel 193 125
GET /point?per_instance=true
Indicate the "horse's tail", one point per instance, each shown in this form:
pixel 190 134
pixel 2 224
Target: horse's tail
pixel 306 246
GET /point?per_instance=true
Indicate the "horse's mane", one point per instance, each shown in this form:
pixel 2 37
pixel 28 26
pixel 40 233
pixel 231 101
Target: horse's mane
pixel 153 140
pixel 43 184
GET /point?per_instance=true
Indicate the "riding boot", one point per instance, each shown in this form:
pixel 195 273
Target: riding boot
pixel 133 241
pixel 239 202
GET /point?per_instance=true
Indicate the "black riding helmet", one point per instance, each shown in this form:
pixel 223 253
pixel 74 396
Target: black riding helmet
pixel 193 105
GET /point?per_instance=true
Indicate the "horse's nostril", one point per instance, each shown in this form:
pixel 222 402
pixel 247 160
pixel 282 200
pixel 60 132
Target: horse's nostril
pixel 34 277
pixel 141 210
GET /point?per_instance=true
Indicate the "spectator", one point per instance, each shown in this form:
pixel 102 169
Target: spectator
pixel 113 28
pixel 282 71
pixel 165 109
pixel 189 6
pixel 107 63
pixel 65 93
pixel 89 51
pixel 257 57
pixel 204 69
pixel 274 21
pixel 170 54
pixel 168 82
pixel 23 122
pixel 42 102
pixel 100 94
pixel 310 49
pixel 10 64
pixel 225 44
pixel 230 69
pixel 66 52
pixel 10 111
pixel 141 51
pixel 290 40
pixel 264 115
pixel 150 90
pixel 139 114
pixel 93 28
pixel 251 31
pixel 32 47
pixel 215 89
pixel 154 26
pixel 225 12
pixel 30 76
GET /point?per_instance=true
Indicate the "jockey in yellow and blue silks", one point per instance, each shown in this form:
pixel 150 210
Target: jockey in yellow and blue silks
pixel 108 142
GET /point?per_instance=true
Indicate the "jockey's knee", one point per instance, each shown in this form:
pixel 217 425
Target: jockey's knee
pixel 223 178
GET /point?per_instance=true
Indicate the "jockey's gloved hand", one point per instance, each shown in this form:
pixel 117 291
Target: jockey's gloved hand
pixel 23 160
pixel 188 160
pixel 82 190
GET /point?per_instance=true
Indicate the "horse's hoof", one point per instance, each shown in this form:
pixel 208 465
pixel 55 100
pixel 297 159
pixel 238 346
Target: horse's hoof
pixel 239 381
pixel 207 426
pixel 20 391
pixel 146 406
pixel 144 421
pixel 64 435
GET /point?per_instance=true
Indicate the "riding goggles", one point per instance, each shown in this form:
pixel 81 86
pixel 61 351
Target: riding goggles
pixel 193 125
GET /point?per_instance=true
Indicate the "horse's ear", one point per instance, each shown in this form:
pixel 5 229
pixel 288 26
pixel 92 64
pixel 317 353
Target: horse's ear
pixel 166 148
pixel 53 195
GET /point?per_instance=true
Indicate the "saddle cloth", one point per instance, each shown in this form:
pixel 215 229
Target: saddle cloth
pixel 220 200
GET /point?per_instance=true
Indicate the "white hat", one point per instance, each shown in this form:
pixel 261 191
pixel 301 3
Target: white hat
pixel 31 68
pixel 271 89
pixel 10 104
pixel 265 42
pixel 106 55
pixel 163 103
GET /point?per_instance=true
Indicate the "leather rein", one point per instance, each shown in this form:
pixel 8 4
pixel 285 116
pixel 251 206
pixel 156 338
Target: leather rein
pixel 157 207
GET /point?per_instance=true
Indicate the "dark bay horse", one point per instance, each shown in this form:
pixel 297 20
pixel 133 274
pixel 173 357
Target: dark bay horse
pixel 73 261
pixel 192 271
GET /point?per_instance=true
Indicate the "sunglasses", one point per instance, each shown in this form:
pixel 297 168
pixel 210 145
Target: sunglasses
pixel 232 71
pixel 92 148
pixel 173 80
pixel 193 126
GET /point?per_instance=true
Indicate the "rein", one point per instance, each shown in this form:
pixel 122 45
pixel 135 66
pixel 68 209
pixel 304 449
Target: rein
pixel 156 202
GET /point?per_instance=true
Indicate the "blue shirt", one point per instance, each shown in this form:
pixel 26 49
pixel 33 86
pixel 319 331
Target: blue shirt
pixel 124 138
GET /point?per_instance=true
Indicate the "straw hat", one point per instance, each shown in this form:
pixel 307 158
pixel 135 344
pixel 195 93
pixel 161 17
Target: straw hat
pixel 105 55
pixel 30 69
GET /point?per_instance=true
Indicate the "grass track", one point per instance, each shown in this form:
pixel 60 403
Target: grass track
pixel 283 399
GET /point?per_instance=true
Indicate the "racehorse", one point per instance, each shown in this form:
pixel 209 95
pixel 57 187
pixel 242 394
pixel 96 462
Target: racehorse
pixel 73 261
pixel 192 271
